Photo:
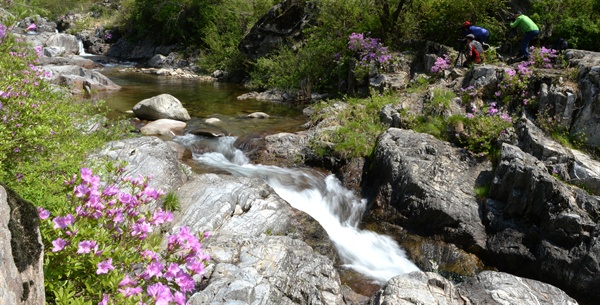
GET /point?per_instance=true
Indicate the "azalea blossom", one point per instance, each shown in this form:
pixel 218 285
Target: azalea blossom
pixel 58 244
pixel 105 266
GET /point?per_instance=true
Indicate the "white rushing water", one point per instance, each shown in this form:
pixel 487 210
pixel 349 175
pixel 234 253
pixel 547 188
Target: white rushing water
pixel 322 197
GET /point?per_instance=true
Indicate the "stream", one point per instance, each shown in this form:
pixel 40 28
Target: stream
pixel 338 210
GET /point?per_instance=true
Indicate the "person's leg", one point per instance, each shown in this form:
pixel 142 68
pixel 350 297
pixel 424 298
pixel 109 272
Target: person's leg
pixel 527 37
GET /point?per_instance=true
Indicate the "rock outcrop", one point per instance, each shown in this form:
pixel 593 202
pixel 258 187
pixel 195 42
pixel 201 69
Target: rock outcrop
pixel 21 251
pixel 282 24
pixel 488 287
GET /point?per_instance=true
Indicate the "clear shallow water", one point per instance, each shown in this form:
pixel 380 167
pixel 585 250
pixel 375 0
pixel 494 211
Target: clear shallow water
pixel 202 100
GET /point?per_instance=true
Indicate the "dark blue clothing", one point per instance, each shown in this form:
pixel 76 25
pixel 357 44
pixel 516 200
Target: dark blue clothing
pixel 527 37
pixel 480 33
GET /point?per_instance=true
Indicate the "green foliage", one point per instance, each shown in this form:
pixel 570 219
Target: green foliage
pixel 177 21
pixel 316 65
pixel 355 129
pixel 433 125
pixel 482 191
pixel 440 102
pixel 228 23
pixel 308 69
pixel 418 84
pixel 575 20
pixel 42 142
pixel 481 132
pixel 338 19
pixel 53 9
pixel 171 202
pixel 558 130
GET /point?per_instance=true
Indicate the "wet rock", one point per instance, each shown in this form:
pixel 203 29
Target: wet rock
pixel 258 115
pixel 80 80
pixel 163 127
pixel 489 287
pixel 146 156
pixel 200 128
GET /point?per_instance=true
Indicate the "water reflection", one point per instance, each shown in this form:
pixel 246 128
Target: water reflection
pixel 202 99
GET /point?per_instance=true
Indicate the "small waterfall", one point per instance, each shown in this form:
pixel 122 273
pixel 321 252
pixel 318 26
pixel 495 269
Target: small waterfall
pixel 337 209
pixel 81 49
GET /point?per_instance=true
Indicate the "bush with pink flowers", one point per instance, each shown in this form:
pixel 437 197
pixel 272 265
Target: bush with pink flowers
pixel 106 248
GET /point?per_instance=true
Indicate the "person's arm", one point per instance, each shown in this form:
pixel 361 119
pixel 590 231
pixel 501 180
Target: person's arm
pixel 516 22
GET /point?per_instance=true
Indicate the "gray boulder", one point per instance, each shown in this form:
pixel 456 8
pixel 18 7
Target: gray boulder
pixel 21 251
pixel 540 227
pixel 586 121
pixel 148 157
pixel 570 165
pixel 268 270
pixel 282 24
pixel 231 205
pixel 67 41
pixel 253 259
pixel 488 287
pixel 163 106
pixel 79 79
pixel 419 182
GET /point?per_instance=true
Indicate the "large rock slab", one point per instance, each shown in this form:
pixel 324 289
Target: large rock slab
pixel 231 205
pixel 80 79
pixel 21 251
pixel 255 256
pixel 586 121
pixel 282 24
pixel 148 157
pixel 268 270
pixel 488 287
pixel 540 227
pixel 427 186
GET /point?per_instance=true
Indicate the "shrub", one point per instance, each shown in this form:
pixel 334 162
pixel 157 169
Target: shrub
pixel 42 139
pixel 355 129
pixel 106 247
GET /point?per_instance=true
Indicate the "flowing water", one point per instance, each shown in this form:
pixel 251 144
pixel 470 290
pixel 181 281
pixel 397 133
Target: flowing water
pixel 338 210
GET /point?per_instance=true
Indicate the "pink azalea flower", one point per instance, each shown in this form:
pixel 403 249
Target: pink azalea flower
pixel 81 190
pixel 154 269
pixel 179 298
pixel 86 246
pixel 44 214
pixel 58 244
pixel 127 281
pixel 110 191
pixel 160 293
pixel 105 266
pixel 172 271
pixel 86 174
pixel 130 291
pixel 63 222
pixel 185 281
pixel 196 266
pixel 104 300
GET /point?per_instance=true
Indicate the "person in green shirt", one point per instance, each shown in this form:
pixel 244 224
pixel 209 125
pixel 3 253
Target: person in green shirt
pixel 530 31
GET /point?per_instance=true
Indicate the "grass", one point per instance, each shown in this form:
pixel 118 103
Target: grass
pixel 354 130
